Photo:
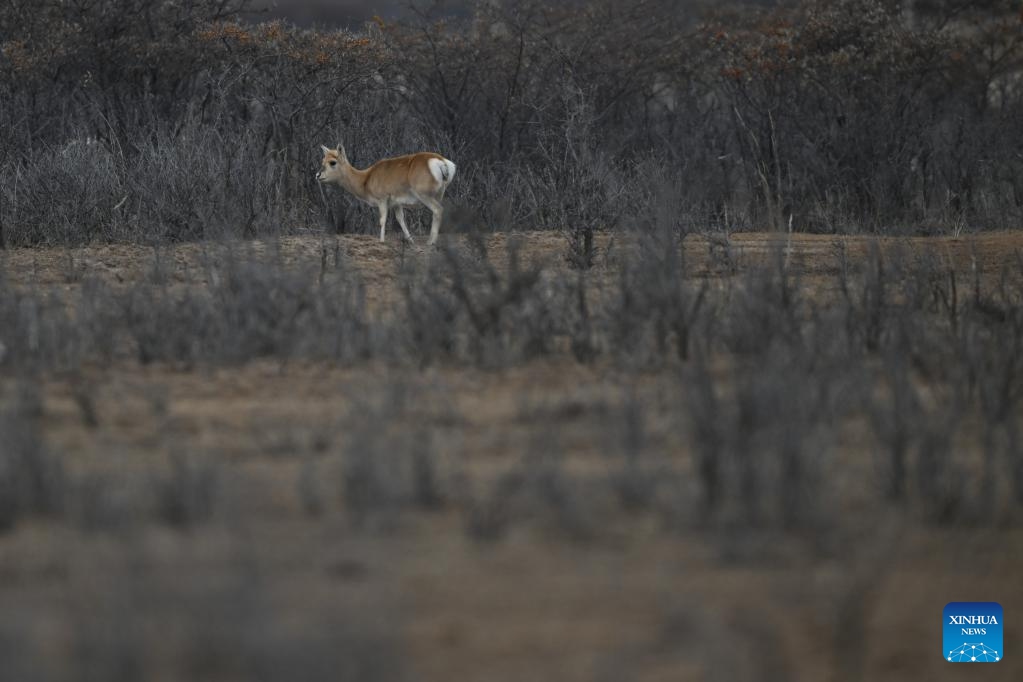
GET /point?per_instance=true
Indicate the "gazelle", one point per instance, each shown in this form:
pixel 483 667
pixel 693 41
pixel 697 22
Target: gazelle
pixel 398 182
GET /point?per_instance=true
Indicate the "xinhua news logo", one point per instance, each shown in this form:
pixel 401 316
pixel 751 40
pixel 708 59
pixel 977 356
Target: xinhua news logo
pixel 973 632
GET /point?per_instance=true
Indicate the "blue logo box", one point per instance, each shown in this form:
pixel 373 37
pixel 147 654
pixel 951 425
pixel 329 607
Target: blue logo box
pixel 972 632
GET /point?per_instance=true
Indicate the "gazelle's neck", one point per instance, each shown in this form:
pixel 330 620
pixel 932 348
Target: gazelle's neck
pixel 352 179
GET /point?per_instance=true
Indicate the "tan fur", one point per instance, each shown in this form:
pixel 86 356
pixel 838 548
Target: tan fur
pixel 398 182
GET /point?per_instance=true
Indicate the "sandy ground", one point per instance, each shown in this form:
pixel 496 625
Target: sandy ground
pixel 807 254
pixel 636 596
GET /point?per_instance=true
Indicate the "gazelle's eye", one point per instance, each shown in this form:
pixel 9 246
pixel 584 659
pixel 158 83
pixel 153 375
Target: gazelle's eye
pixel 333 163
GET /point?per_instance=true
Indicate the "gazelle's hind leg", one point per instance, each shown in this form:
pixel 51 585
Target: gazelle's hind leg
pixel 437 208
pixel 399 212
pixel 383 220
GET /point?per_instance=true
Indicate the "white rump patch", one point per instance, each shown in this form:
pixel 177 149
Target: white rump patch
pixel 442 170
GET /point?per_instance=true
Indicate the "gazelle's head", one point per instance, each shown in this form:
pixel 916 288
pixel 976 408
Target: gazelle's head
pixel 334 161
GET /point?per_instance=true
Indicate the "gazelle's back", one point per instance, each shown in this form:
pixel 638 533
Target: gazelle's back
pixel 425 173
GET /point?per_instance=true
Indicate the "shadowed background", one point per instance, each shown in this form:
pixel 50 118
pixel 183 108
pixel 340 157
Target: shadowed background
pixel 350 13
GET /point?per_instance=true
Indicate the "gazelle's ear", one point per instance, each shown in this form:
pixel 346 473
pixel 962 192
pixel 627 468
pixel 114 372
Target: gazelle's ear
pixel 341 151
pixel 324 148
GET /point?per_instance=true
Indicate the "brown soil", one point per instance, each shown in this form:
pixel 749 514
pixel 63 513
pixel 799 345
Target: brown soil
pixel 808 253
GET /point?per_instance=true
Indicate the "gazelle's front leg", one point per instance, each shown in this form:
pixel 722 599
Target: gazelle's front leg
pixel 399 212
pixel 383 219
